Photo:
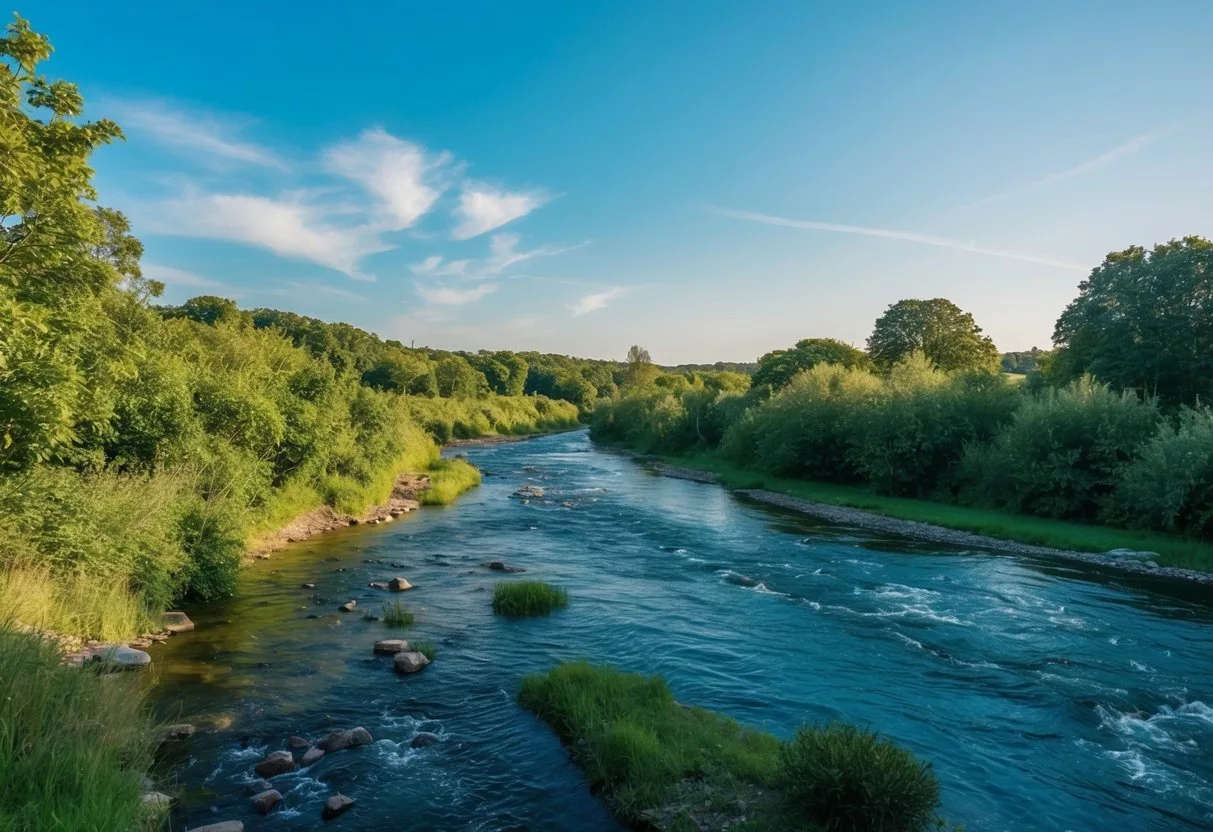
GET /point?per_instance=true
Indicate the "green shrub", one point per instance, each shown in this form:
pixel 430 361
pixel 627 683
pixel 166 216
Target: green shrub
pixel 522 598
pixel 448 479
pixel 843 778
pixel 396 615
pixel 1170 485
pixel 73 746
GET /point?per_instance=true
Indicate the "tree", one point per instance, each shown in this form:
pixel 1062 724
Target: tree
pixel 1143 321
pixel 640 369
pixel 946 334
pixel 777 368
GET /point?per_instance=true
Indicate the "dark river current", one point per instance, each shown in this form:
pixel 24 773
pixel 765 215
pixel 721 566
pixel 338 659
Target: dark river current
pixel 1048 697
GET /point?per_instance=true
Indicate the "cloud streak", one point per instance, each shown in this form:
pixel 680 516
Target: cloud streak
pixel 446 296
pixel 206 136
pixel 503 253
pixel 482 208
pixel 596 301
pixel 907 236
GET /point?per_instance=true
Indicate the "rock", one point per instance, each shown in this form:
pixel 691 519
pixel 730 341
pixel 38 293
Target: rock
pixel 410 662
pixel 310 756
pixel 157 801
pixel 1130 554
pixel 348 606
pixel 398 585
pixel 345 739
pixel 377 585
pixel 312 616
pixel 179 732
pixel 297 742
pixel 335 805
pixel 222 826
pixel 391 646
pixel 307 586
pixel 118 657
pixel 279 762
pixel 258 786
pixel 423 739
pixel 529 491
pixel 266 801
pixel 498 566
pixel 176 622
pixel 140 643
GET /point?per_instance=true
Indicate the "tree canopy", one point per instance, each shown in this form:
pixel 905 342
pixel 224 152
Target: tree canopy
pixel 939 329
pixel 1143 321
pixel 777 368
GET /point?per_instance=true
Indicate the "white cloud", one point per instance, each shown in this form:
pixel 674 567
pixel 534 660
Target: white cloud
pixel 596 301
pixel 503 253
pixel 482 208
pixel 287 226
pixel 204 135
pixel 404 179
pixel 453 297
pixel 908 236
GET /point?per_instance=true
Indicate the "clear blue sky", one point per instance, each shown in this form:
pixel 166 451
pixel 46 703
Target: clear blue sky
pixel 711 180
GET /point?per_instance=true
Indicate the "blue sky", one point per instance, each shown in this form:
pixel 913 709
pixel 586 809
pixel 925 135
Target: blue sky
pixel 711 180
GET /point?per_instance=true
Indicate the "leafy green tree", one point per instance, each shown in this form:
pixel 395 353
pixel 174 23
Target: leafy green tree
pixel 1143 321
pixel 457 379
pixel 777 368
pixel 640 369
pixel 946 334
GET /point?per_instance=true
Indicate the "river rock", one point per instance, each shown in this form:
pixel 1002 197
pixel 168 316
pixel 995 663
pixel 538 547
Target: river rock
pixel 335 805
pixel 297 743
pixel 258 786
pixel 176 622
pixel 391 646
pixel 222 826
pixel 279 762
pixel 266 801
pixel 498 566
pixel 345 739
pixel 398 585
pixel 310 756
pixel 410 661
pixel 348 606
pixel 529 491
pixel 119 657
pixel 157 801
pixel 307 586
pixel 179 732
pixel 423 739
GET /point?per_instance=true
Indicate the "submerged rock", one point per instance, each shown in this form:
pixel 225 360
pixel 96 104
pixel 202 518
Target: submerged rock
pixel 348 606
pixel 297 742
pixel 335 805
pixel 222 826
pixel 377 585
pixel 410 662
pixel 176 622
pixel 310 756
pixel 423 739
pixel 498 566
pixel 258 786
pixel 391 646
pixel 352 738
pixel 266 801
pixel 278 762
pixel 398 585
pixel 529 491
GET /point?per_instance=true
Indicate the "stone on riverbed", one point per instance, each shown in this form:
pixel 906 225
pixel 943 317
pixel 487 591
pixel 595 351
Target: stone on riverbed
pixel 345 739
pixel 310 756
pixel 258 786
pixel 335 805
pixel 377 585
pixel 391 646
pixel 498 566
pixel 410 662
pixel 297 742
pixel 398 585
pixel 118 657
pixel 222 826
pixel 266 801
pixel 176 622
pixel 278 762
pixel 348 606
pixel 423 739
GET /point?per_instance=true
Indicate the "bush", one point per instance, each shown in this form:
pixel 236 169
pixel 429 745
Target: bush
pixel 448 479
pixel 396 615
pixel 523 598
pixel 843 778
pixel 73 746
pixel 1170 485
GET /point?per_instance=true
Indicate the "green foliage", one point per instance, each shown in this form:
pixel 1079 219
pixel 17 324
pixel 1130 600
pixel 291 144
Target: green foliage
pixel 946 334
pixel 843 778
pixel 1170 484
pixel 1023 363
pixel 425 648
pixel 1144 321
pixel 526 598
pixel 448 479
pixel 73 746
pixel 447 419
pixel 395 615
pixel 777 369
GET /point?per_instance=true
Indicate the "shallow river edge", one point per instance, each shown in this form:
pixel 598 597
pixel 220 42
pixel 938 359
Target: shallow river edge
pixel 859 518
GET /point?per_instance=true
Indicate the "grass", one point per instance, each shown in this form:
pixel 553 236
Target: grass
pixel 73 745
pixel 660 764
pixel 425 648
pixel 448 479
pixel 523 598
pixel 395 615
pixel 71 604
pixel 1022 528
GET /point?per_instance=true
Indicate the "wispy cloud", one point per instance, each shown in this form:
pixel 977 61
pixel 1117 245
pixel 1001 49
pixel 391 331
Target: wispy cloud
pixel 596 301
pixel 209 137
pixel 503 253
pixel 171 276
pixel 1117 153
pixel 482 208
pixel 404 179
pixel 907 236
pixel 447 296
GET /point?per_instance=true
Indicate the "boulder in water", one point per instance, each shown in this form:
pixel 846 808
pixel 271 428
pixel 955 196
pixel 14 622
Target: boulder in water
pixel 258 786
pixel 345 739
pixel 410 661
pixel 391 646
pixel 119 657
pixel 278 762
pixel 335 805
pixel 423 739
pixel 310 756
pixel 176 622
pixel 398 585
pixel 266 801
pixel 348 606
pixel 377 585
pixel 297 743
pixel 498 566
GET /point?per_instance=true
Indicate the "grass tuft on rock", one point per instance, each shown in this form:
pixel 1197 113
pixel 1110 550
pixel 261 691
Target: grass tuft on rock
pixel 525 598
pixel 396 615
pixel 73 745
pixel 426 648
pixel 448 479
pixel 660 764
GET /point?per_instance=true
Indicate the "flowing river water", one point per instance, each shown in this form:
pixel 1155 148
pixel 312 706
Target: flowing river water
pixel 1048 696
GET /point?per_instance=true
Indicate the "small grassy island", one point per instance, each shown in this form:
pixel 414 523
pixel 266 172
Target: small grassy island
pixel 518 599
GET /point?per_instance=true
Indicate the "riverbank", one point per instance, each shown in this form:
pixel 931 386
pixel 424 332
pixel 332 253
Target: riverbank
pixel 1140 552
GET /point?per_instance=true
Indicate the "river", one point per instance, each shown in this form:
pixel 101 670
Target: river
pixel 1048 697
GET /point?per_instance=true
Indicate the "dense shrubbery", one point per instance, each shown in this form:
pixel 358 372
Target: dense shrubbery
pixel 448 419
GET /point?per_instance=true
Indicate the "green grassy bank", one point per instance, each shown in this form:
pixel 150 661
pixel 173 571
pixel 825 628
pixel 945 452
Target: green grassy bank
pixel 1021 528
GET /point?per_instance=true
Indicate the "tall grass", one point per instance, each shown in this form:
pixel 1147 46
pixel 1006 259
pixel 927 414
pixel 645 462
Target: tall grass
pixel 395 614
pixel 72 604
pixel 523 598
pixel 448 479
pixel 73 745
